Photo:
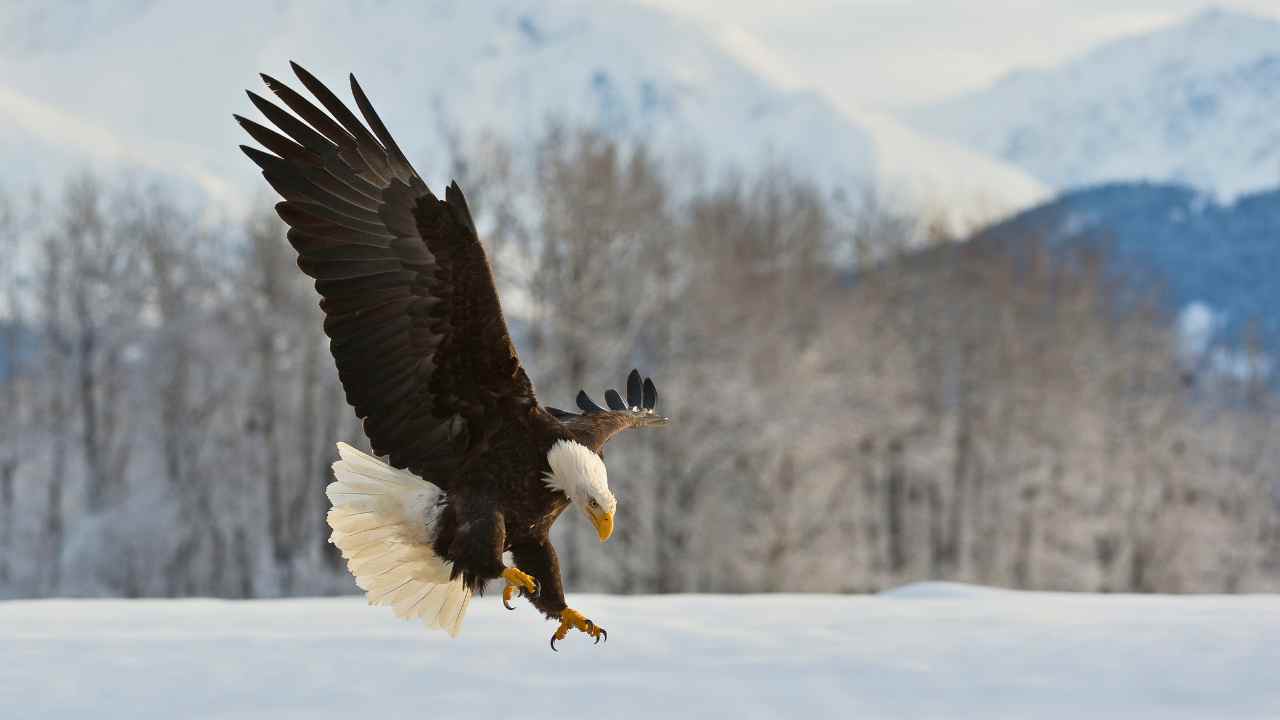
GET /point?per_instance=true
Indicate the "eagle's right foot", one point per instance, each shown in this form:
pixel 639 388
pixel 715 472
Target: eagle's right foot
pixel 517 582
pixel 571 619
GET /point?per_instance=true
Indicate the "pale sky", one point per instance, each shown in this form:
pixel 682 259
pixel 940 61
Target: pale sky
pixel 879 54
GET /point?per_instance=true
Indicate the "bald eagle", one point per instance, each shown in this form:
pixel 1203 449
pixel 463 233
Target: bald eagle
pixel 476 466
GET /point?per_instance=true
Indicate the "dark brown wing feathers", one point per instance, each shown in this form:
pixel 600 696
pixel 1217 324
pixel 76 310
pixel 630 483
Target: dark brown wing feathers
pixel 596 425
pixel 415 323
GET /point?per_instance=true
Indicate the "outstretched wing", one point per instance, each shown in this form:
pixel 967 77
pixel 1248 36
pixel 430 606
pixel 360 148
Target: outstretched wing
pixel 594 426
pixel 410 306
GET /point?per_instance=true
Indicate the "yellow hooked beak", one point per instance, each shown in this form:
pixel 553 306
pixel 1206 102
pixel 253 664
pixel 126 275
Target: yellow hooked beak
pixel 603 522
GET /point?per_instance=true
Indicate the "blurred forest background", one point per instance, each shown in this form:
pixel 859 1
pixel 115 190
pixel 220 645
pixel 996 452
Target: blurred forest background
pixel 858 399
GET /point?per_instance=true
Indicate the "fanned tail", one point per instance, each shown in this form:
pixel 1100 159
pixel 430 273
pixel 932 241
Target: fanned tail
pixel 384 522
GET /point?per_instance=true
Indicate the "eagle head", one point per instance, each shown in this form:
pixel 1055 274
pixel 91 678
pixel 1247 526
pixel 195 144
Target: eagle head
pixel 580 474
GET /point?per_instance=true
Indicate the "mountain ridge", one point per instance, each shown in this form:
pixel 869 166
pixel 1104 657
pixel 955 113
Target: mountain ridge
pixel 1192 103
pixel 159 83
pixel 1212 264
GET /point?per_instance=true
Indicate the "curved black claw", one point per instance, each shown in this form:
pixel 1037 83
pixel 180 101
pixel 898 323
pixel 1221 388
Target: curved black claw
pixel 553 643
pixel 505 605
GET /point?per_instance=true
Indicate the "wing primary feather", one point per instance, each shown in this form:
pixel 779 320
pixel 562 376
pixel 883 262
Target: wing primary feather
pixel 262 159
pixel 634 391
pixel 650 394
pixel 324 150
pixel 586 404
pixel 278 144
pixel 314 116
pixel 458 205
pixel 376 124
pixel 332 172
pixel 373 154
pixel 297 130
pixel 333 105
pixel 614 400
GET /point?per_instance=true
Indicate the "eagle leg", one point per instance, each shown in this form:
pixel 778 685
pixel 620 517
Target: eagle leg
pixel 572 619
pixel 517 582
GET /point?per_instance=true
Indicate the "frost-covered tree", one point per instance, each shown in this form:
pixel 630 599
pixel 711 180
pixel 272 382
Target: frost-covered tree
pixel 857 401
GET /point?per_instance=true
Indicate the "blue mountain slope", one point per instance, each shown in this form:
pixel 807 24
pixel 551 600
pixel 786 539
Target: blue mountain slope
pixel 1177 241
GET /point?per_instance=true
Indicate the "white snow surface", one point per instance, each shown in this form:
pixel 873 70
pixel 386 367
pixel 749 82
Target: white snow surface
pixel 932 650
pixel 1194 103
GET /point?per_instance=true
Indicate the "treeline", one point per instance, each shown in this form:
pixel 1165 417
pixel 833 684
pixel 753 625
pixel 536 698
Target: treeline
pixel 977 412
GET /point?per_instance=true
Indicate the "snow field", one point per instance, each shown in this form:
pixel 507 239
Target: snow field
pixel 925 651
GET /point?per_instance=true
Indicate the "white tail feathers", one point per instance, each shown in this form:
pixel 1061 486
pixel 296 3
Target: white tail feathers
pixel 384 521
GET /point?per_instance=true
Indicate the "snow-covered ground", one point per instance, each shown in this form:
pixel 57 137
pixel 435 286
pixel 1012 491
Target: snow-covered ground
pixel 925 651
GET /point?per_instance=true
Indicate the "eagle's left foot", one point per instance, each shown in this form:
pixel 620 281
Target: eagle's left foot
pixel 569 619
pixel 517 581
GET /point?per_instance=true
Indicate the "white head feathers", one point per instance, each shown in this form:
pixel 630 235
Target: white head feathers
pixel 579 474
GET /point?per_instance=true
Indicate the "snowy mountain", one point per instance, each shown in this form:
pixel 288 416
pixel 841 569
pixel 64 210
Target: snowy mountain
pixel 925 651
pixel 946 182
pixel 961 188
pixel 1194 103
pixel 152 86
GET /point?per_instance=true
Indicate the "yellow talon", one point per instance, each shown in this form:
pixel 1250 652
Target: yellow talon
pixel 517 581
pixel 572 619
